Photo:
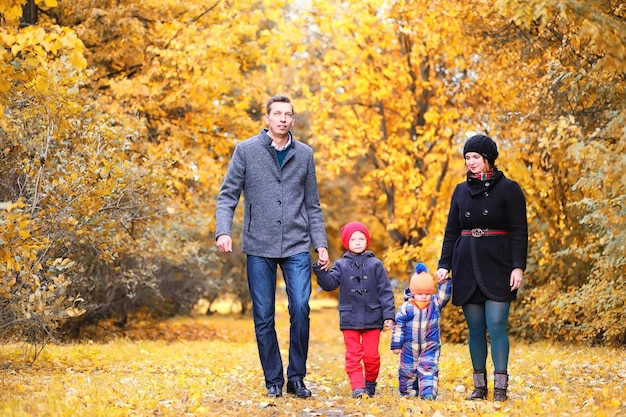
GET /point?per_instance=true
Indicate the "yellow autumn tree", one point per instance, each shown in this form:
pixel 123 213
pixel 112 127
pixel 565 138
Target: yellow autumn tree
pixel 393 90
pixel 110 105
pixel 79 189
pixel 163 92
pixel 571 132
pixel 196 74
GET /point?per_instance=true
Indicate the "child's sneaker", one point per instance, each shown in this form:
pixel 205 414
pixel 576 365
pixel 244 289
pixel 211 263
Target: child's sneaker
pixel 428 395
pixel 370 386
pixel 359 393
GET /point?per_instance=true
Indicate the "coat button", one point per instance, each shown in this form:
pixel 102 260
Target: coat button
pixel 486 194
pixel 485 212
pixel 467 214
pixel 487 184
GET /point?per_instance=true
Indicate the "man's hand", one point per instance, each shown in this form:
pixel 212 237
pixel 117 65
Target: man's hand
pixel 224 243
pixel 388 325
pixel 322 258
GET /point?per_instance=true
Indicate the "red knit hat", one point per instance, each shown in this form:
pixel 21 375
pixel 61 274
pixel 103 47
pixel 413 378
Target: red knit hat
pixel 348 229
pixel 421 281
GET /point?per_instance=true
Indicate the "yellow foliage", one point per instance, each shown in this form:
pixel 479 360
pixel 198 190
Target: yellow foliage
pixel 175 376
pixel 97 137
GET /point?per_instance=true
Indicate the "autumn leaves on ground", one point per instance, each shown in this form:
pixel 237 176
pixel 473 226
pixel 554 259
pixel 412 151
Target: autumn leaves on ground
pixel 209 366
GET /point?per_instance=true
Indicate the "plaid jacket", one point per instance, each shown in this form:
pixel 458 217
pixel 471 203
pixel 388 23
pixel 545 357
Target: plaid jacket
pixel 420 327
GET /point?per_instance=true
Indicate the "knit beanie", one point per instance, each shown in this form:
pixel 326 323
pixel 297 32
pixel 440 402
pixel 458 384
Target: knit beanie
pixel 483 145
pixel 348 229
pixel 421 281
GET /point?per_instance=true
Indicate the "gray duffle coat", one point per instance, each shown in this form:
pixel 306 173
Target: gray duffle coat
pixel 366 298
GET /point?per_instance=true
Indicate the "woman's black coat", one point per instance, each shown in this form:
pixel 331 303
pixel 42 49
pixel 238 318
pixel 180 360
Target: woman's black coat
pixel 486 262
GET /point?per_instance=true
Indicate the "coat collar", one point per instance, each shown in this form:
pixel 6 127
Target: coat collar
pixel 475 186
pixel 362 256
pixel 267 139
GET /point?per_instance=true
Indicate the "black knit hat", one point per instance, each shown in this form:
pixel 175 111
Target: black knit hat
pixel 483 145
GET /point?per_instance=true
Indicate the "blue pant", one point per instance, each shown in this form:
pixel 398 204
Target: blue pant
pixel 296 271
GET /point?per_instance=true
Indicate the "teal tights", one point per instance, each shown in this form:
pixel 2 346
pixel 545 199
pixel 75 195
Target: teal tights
pixel 489 316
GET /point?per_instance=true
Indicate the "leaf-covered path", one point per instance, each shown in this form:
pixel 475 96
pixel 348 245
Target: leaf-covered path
pixel 209 367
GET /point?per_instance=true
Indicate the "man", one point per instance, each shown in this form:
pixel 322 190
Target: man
pixel 282 219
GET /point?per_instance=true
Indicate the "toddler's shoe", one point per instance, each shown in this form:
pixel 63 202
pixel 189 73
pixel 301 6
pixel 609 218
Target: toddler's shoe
pixel 428 395
pixel 359 393
pixel 370 386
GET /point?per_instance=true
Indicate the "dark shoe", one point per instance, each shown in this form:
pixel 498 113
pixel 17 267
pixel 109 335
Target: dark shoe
pixel 359 393
pixel 499 394
pixel 274 391
pixel 500 385
pixel 297 388
pixel 480 386
pixel 370 386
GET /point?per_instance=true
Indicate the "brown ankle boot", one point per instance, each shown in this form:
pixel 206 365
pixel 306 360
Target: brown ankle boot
pixel 480 386
pixel 500 385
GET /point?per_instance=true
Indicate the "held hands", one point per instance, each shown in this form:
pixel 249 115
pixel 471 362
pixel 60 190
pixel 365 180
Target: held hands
pixel 441 274
pixel 322 258
pixel 224 243
pixel 516 278
pixel 396 351
pixel 388 325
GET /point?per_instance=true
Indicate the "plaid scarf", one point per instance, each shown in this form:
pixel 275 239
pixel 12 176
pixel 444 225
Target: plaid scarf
pixel 482 176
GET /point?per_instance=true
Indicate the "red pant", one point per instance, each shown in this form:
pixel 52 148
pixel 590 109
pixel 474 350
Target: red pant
pixel 362 345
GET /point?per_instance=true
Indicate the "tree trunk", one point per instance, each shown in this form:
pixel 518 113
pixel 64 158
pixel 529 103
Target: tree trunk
pixel 29 14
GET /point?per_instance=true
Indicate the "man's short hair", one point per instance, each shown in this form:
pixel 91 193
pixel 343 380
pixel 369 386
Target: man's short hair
pixel 278 98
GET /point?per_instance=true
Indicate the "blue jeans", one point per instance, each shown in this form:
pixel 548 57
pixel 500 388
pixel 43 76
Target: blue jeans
pixel 262 283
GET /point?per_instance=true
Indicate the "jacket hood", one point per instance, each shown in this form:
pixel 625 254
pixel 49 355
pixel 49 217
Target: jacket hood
pixel 360 256
pixel 407 294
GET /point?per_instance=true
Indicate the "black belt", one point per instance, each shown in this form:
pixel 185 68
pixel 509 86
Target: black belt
pixel 484 232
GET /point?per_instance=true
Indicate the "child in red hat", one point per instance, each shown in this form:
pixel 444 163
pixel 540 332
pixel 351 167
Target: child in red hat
pixel 416 334
pixel 366 305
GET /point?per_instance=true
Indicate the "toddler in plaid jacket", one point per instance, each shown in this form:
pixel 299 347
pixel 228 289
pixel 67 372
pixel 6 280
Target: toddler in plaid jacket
pixel 416 335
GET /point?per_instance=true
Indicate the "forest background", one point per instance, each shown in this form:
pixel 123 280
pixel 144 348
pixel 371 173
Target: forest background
pixel 118 119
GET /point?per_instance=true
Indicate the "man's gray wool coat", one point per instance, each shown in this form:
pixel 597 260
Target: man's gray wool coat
pixel 282 212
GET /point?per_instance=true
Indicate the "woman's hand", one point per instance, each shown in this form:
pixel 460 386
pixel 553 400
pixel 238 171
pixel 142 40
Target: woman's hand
pixel 441 274
pixel 516 278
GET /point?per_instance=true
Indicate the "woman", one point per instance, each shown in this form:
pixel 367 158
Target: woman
pixel 485 246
